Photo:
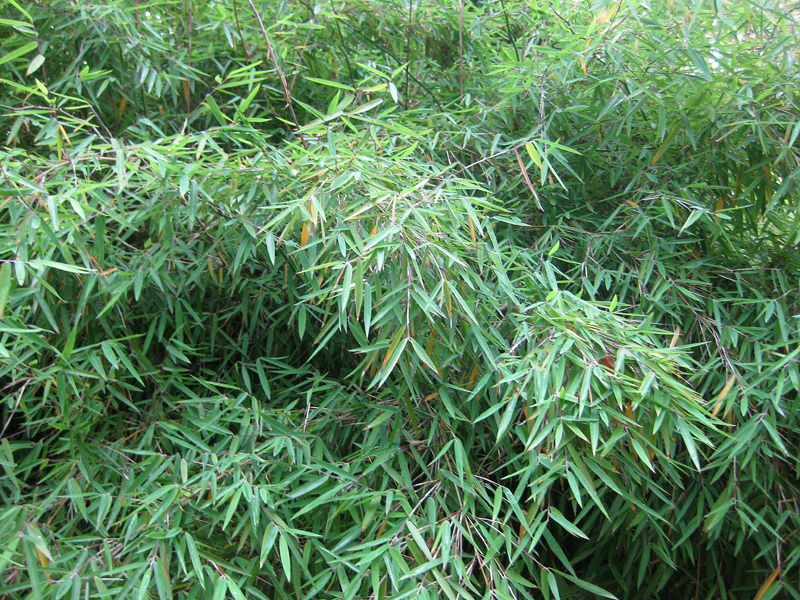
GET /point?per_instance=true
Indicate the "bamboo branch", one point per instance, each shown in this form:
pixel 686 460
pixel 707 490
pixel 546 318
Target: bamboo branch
pixel 286 93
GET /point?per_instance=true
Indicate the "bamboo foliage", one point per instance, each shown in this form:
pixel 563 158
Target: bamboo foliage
pixel 348 301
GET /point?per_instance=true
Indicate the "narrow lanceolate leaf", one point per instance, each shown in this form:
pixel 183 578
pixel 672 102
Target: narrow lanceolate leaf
pixel 419 540
pixel 666 143
pixel 235 590
pixel 286 561
pixel 556 515
pixel 144 585
pixel 589 587
pixel 194 556
pixel 700 63
pixel 21 51
pixel 161 576
pixel 393 353
pixel 35 575
pixel 534 154
pixel 347 281
pixel 34 65
pixel 214 108
pixel 689 440
pixel 724 392
pixel 5 286
pixel 359 287
pixel 767 584
pixel 35 535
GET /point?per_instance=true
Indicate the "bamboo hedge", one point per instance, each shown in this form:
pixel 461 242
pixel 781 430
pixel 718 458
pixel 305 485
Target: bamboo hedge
pixel 399 299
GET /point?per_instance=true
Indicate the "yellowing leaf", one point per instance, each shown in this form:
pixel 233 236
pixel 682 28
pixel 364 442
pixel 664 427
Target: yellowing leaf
pixel 186 93
pixel 532 150
pixel 723 393
pixel 720 206
pixel 666 144
pixel 312 210
pixel 305 233
pixel 608 14
pixel 472 377
pixel 42 558
pixel 767 584
pixel 64 133
pixel 390 350
pixel 675 337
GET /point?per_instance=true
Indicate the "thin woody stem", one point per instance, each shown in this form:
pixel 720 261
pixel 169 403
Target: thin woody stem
pixel 286 93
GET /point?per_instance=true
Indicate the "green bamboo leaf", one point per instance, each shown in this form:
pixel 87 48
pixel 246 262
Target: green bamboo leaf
pixel 589 587
pixel 18 25
pixel 286 562
pixel 718 510
pixel 76 496
pixel 220 587
pixel 234 589
pixel 509 416
pixel 418 539
pixel 301 321
pixel 37 538
pixel 393 353
pixel 232 506
pixel 214 108
pixel 556 515
pixel 346 284
pixel 642 453
pixel 365 107
pixel 14 54
pixel 330 83
pixel 552 583
pixel 322 499
pixel 383 416
pixel 194 556
pixel 144 585
pixel 422 354
pixel 41 264
pixel 245 104
pixel 162 580
pixel 534 154
pixel 34 65
pixel 666 143
pixel 688 439
pixel 32 563
pixel 267 542
pixel 700 63
pixel 308 487
pixel 170 493
pixel 5 286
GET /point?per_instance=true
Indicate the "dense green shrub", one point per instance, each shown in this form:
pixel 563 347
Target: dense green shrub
pixel 386 300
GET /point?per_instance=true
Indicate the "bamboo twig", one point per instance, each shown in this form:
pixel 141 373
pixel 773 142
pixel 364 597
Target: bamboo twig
pixel 286 93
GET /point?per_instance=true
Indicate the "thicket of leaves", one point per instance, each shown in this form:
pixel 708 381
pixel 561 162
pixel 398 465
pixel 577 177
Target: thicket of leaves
pixel 378 299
